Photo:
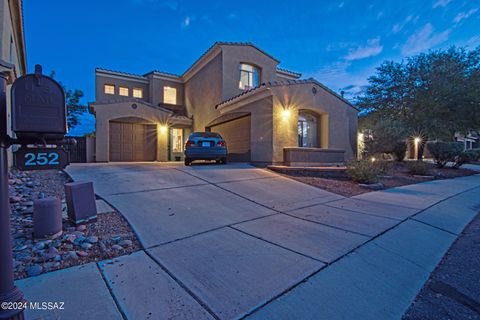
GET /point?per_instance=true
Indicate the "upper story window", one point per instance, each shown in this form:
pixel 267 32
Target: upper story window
pixel 169 95
pixel 137 93
pixel 123 91
pixel 249 76
pixel 109 89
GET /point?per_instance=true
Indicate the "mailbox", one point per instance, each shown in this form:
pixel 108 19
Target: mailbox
pixel 38 107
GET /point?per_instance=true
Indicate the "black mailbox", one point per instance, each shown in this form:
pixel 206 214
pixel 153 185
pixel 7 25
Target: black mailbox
pixel 38 107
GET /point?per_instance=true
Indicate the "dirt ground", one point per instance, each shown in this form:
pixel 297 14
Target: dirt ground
pixel 396 176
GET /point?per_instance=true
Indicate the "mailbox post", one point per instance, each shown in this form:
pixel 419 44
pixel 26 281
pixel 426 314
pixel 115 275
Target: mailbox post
pixel 8 291
pixel 39 121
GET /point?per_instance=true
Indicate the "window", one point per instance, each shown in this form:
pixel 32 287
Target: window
pixel 177 140
pixel 307 130
pixel 138 93
pixel 123 91
pixel 169 95
pixel 249 76
pixel 109 89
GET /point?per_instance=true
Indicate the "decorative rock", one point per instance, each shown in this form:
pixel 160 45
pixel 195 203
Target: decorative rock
pixel 39 246
pixel 15 199
pixel 72 255
pixel 51 265
pixel 34 270
pixel 92 239
pixel 126 243
pixel 82 253
pixel 116 238
pixel 20 248
pixel 82 227
pixel 70 238
pixel 86 245
pixel 117 247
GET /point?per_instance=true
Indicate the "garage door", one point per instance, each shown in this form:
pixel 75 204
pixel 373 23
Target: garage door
pixel 132 142
pixel 237 135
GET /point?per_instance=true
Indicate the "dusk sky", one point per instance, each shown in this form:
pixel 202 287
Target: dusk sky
pixel 340 43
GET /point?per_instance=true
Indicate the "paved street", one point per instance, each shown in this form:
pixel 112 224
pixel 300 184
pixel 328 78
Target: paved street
pixel 237 241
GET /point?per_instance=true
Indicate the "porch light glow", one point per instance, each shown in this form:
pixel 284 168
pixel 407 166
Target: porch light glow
pixel 286 114
pixel 373 159
pixel 417 140
pixel 163 129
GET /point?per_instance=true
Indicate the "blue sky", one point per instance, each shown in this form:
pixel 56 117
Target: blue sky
pixel 337 42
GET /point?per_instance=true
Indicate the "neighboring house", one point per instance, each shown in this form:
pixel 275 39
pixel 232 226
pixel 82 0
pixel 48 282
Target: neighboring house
pixel 235 89
pixel 470 140
pixel 13 59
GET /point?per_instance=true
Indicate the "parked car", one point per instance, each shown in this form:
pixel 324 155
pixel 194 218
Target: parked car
pixel 205 146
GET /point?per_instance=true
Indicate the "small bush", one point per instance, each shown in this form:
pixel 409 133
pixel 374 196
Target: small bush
pixel 364 171
pixel 476 153
pixel 465 157
pixel 419 168
pixel 443 152
pixel 399 150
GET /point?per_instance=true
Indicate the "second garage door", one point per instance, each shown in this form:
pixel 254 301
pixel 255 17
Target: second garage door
pixel 237 135
pixel 133 142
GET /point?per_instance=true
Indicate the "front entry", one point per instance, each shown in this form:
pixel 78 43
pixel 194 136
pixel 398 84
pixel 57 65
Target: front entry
pixel 133 141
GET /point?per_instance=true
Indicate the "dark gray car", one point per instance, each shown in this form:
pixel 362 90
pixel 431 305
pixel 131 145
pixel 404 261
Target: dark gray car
pixel 205 146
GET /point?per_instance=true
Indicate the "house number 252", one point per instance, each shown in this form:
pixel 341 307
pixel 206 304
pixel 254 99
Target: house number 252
pixel 41 159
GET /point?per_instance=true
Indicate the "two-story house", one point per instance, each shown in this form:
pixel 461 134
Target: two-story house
pixel 235 89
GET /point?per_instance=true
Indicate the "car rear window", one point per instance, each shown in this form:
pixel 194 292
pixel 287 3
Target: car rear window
pixel 205 135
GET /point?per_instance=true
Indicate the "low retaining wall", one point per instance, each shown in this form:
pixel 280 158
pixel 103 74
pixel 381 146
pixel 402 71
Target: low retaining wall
pixel 311 157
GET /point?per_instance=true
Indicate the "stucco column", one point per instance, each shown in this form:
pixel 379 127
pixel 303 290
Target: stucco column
pixel 101 140
pixel 162 142
pixel 324 131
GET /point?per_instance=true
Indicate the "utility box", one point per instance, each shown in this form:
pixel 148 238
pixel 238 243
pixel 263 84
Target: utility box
pixel 47 218
pixel 81 206
pixel 38 107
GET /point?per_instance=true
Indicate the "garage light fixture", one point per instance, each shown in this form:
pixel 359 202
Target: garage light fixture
pixel 286 114
pixel 163 129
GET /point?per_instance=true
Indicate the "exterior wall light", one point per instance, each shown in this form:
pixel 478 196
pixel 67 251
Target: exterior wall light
pixel 286 114
pixel 417 141
pixel 163 129
pixel 373 159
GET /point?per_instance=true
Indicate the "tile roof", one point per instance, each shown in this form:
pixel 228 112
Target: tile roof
pixel 120 72
pixel 284 83
pixel 290 72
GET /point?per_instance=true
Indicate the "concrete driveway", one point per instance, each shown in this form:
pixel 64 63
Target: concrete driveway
pixel 234 241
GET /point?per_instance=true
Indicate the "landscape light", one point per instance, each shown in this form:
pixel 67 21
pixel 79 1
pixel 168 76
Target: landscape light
pixel 163 129
pixel 417 140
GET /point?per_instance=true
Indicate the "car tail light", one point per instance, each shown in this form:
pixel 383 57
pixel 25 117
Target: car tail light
pixel 221 143
pixel 189 143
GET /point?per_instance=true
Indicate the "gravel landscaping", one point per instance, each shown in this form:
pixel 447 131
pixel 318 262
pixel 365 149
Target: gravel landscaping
pixel 396 176
pixel 110 236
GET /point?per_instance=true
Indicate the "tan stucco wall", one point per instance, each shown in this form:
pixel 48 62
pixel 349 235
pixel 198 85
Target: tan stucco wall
pixel 156 90
pixel 233 56
pixel 105 113
pixel 203 92
pixel 101 80
pixel 340 117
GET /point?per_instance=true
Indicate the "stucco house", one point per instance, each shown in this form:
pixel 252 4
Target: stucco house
pixel 265 113
pixel 13 58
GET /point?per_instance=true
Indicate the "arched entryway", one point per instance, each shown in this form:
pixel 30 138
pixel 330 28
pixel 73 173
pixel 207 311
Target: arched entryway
pixel 308 129
pixel 132 139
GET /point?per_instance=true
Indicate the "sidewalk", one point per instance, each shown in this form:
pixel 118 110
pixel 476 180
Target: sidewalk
pixel 377 280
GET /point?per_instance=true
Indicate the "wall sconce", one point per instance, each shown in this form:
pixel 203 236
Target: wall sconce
pixel 163 129
pixel 286 114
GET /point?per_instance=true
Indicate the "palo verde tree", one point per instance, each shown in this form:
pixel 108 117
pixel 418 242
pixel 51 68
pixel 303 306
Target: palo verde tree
pixel 74 107
pixel 435 94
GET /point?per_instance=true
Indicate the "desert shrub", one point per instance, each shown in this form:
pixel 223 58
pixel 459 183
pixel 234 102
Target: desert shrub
pixel 418 168
pixel 465 157
pixel 399 150
pixel 364 171
pixel 476 153
pixel 443 152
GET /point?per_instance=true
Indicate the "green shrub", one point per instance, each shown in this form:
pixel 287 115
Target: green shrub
pixel 418 168
pixel 476 153
pixel 465 157
pixel 399 150
pixel 364 171
pixel 443 152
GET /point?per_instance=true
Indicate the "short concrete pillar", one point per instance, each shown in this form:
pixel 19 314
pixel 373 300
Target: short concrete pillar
pixel 47 218
pixel 81 204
